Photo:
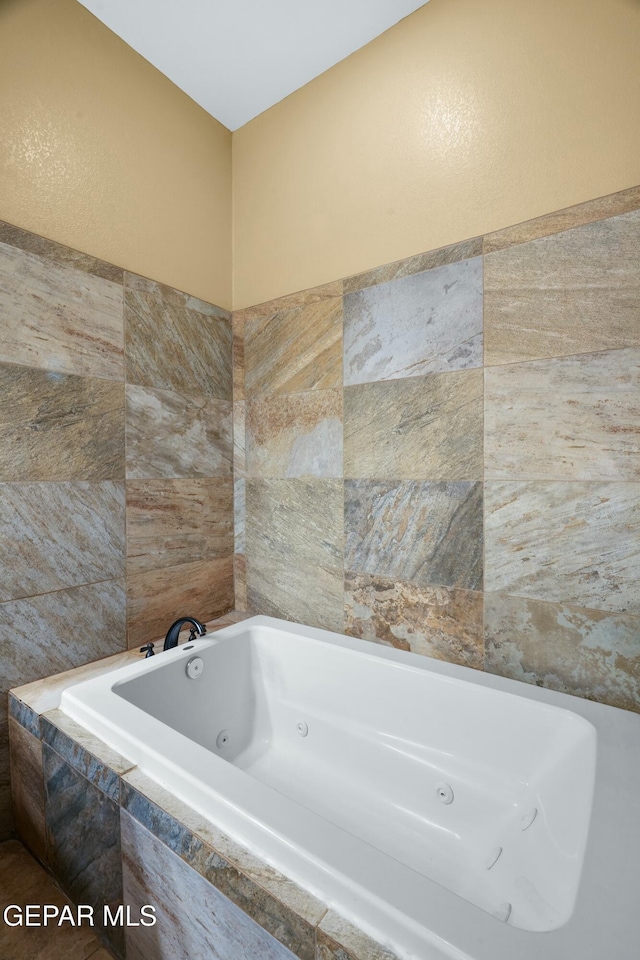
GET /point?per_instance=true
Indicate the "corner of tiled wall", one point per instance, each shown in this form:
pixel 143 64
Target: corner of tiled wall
pixel 95 526
pixel 179 457
pixel 478 407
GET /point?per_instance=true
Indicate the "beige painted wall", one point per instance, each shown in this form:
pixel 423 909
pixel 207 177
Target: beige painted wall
pixel 99 151
pixel 466 117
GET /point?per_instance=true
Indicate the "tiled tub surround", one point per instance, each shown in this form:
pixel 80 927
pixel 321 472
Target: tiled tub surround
pixel 115 462
pixel 144 846
pixel 246 908
pixel 489 513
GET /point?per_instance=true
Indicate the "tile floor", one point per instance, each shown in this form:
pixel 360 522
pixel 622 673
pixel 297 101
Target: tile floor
pixel 23 881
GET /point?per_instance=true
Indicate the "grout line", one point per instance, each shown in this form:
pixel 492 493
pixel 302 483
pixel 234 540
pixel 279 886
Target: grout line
pixel 48 593
pixel 62 373
pixel 561 356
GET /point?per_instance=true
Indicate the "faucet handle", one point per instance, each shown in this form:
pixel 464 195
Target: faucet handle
pixel 149 648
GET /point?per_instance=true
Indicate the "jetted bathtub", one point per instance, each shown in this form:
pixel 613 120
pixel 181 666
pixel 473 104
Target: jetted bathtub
pixel 446 812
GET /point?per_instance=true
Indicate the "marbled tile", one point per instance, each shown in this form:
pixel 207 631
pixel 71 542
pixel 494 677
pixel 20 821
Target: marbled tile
pixel 239 457
pixel 27 789
pixel 46 634
pixel 59 427
pixel 294 931
pixel 25 716
pixel 55 535
pixel 587 653
pixel 429 533
pixel 239 515
pixel 576 543
pixel 174 435
pixel 295 435
pixel 175 342
pixel 170 522
pixel 420 428
pixel 86 753
pixel 39 696
pixel 570 293
pixel 42 696
pixel 295 350
pixel 237 326
pixel 570 419
pixel 156 598
pixel 6 818
pixel 28 882
pixel 600 209
pixel 83 841
pixel 434 621
pixel 58 318
pixel 418 264
pixel 51 250
pixel 144 798
pixel 222 930
pixel 294 550
pixel 240 581
pixel 291 301
pixel 338 939
pixel 135 283
pixel 427 323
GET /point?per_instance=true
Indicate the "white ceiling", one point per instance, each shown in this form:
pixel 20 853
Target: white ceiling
pixel 236 58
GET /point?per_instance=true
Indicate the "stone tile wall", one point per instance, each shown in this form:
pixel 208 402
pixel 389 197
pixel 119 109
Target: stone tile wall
pixel 111 835
pixel 443 454
pixel 116 483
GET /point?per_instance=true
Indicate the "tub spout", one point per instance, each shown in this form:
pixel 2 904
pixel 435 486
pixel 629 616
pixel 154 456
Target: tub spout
pixel 171 639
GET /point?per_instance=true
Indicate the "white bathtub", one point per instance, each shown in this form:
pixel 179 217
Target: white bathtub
pixel 336 760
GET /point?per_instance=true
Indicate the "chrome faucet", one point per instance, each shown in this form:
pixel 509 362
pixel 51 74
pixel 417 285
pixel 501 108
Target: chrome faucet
pixel 171 639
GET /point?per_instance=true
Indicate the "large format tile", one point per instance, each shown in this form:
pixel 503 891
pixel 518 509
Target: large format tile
pixel 418 264
pixel 240 581
pixel 6 819
pixel 294 550
pixel 56 535
pixel 27 788
pixel 427 323
pixel 291 301
pixel 435 621
pixel 576 543
pixel 25 881
pixel 239 457
pixel 156 598
pixel 420 428
pixel 58 318
pixel 170 522
pixel 30 700
pixel 237 326
pixel 295 435
pixel 176 342
pixel 278 906
pixel 58 253
pixel 295 350
pixel 573 292
pixel 601 208
pixel 175 435
pixel 222 930
pixel 587 653
pixel 59 427
pixel 239 515
pixel 338 939
pixel 44 635
pixel 87 754
pixel 569 419
pixel 158 809
pixel 429 532
pixel 83 841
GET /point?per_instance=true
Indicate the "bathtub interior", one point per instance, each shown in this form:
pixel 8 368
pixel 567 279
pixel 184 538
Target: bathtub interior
pixel 379 747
